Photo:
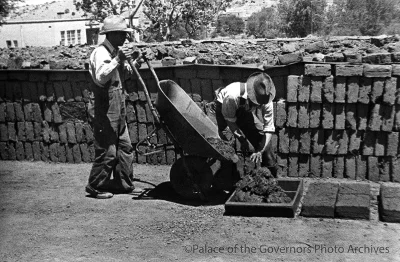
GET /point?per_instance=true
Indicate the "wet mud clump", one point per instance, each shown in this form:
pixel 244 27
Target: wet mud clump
pixel 260 186
pixel 224 148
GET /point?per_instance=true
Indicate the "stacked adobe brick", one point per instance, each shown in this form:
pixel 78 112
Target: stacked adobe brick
pixel 31 124
pixel 340 120
pixel 332 120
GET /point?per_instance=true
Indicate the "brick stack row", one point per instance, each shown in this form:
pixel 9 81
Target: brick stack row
pixel 340 121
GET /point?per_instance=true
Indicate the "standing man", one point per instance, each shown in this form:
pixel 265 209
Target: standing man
pixel 112 170
pixel 235 108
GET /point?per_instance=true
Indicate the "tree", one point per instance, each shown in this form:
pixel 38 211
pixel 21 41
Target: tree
pixel 228 25
pixel 264 23
pixel 6 6
pixel 195 14
pixel 302 17
pixel 100 9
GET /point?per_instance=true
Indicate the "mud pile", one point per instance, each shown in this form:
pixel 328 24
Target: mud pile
pixel 224 148
pixel 259 186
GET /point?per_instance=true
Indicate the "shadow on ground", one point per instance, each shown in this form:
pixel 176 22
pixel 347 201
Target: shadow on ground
pixel 165 191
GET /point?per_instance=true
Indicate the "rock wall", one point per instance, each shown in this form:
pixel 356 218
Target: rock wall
pixel 332 120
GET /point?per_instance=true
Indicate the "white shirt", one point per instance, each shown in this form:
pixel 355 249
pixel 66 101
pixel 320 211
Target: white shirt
pixel 230 99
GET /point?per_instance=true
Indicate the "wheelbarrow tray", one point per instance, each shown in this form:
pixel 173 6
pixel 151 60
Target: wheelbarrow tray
pixel 186 122
pixel 292 187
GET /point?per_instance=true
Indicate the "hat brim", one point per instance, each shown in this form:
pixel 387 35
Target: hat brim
pixel 251 93
pixel 127 30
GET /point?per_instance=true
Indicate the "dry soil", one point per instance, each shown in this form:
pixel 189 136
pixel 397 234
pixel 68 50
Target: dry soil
pixel 45 216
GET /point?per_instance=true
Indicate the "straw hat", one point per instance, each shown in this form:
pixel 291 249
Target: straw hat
pixel 260 88
pixel 114 23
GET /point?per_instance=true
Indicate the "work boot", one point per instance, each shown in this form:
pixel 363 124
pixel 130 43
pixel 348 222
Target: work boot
pixel 98 194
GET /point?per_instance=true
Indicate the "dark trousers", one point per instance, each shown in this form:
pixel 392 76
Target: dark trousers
pixel 112 170
pixel 252 127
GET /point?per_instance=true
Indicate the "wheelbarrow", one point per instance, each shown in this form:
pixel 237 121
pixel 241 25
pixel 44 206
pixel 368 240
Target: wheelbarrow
pixel 190 131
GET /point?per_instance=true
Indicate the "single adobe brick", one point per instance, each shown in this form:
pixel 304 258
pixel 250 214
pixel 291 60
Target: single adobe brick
pixel 362 116
pixel 353 200
pixel 350 167
pixel 305 142
pixel 351 119
pixel 327 166
pixel 315 115
pixel 36 151
pixel 320 200
pixel 331 143
pixel 349 70
pixel 362 167
pixel 133 132
pixel 37 130
pixel 304 165
pixel 373 169
pixel 387 113
pixel 293 165
pixel 377 90
pixel 36 113
pixel 328 116
pixel 340 89
pixel 392 144
pixel 2 112
pixel 318 141
pixel 282 162
pixel 71 133
pixel 303 121
pixel 340 116
pixel 62 156
pixel 292 87
pixel 280 113
pixel 80 138
pixel 317 84
pixel 355 138
pixel 384 169
pixel 69 153
pixel 10 110
pixel 62 131
pixel 328 90
pixel 377 70
pixel 44 152
pixel 369 143
pixel 338 167
pixel 315 166
pixel 21 131
pixel 12 133
pixel 365 90
pixel 352 89
pixel 19 151
pixel 284 141
pixel 3 132
pixel 53 150
pixel 76 152
pixel 19 112
pixel 141 112
pixel 389 202
pixel 377 58
pixel 317 69
pixel 304 89
pixel 292 115
pixel 142 131
pixel 343 141
pixel 389 94
pixel 375 120
pixel 56 113
pixel 85 153
pixel 294 140
pixel 381 141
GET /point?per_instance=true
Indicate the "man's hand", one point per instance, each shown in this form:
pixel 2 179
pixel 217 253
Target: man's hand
pixel 244 144
pixel 256 157
pixel 125 53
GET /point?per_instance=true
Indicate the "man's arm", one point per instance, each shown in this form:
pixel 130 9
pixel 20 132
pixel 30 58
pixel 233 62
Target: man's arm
pixel 103 65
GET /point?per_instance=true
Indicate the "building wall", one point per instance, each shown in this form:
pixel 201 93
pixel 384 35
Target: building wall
pixel 332 120
pixel 45 33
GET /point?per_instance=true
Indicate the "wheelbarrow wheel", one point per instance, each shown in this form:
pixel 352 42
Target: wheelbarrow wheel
pixel 191 177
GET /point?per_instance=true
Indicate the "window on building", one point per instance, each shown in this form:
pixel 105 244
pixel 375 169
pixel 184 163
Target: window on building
pixel 78 35
pixel 15 43
pixel 62 38
pixel 8 43
pixel 71 37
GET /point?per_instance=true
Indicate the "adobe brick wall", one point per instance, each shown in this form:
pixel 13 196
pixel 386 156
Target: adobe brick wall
pixel 332 120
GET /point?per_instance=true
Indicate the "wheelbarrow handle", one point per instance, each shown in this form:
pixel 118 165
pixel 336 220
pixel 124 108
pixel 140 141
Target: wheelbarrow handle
pixel 146 92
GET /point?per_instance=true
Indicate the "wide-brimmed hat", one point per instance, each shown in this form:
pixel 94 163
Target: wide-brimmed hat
pixel 260 88
pixel 114 23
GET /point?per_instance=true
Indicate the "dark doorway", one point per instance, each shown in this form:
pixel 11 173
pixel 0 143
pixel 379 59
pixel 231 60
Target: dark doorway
pixel 92 36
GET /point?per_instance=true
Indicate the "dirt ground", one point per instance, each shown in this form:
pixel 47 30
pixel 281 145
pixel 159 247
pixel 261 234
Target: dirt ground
pixel 45 216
